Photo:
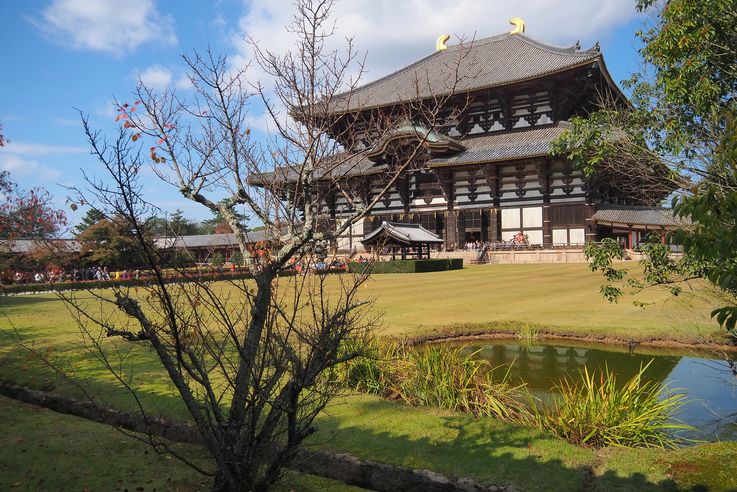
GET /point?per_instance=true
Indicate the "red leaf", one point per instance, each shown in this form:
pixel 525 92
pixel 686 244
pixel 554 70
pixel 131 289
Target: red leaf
pixel 161 140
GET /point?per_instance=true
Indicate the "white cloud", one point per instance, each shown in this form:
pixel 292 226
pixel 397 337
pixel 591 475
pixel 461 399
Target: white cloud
pixel 394 34
pixel 20 159
pixel 62 121
pixel 110 26
pixel 19 166
pixel 183 83
pixel 27 149
pixel 156 77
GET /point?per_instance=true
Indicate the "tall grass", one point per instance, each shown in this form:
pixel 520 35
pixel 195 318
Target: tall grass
pixel 593 411
pixel 439 377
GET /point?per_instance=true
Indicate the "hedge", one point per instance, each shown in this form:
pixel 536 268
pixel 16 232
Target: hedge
pixel 409 266
pixel 148 280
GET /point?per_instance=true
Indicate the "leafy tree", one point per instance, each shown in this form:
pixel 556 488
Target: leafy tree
pixel 683 115
pixel 92 217
pixel 27 213
pixel 217 260
pixel 110 242
pixel 236 258
pixel 218 224
pixel 179 225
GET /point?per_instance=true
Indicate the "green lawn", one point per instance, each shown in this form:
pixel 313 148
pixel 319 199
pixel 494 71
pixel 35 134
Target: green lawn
pixel 560 297
pixel 563 297
pixel 44 450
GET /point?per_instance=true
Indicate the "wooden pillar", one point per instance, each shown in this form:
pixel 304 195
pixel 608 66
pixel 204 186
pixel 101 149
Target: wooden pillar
pixel 544 180
pixel 493 225
pixel 451 229
pixel 590 225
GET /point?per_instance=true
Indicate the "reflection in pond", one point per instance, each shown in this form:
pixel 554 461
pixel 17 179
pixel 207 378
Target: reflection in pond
pixel 708 381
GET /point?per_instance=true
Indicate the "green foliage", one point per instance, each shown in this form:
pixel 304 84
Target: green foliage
pixel 602 256
pixel 595 411
pixel 408 266
pixel 236 258
pixel 92 217
pixel 217 260
pixel 683 111
pixel 179 225
pixel 692 52
pixel 111 242
pixel 438 377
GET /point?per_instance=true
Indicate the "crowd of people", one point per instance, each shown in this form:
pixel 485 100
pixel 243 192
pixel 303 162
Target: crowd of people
pixel 58 274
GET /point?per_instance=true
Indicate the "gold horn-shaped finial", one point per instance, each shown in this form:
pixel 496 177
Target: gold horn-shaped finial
pixel 519 25
pixel 440 43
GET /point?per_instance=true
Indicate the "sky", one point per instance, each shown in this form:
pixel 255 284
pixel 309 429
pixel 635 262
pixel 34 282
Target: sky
pixel 63 57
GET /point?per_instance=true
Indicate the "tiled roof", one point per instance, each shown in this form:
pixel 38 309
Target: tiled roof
pixel 402 233
pixel 27 245
pixel 337 166
pixel 661 217
pixel 501 146
pixel 208 240
pixel 489 62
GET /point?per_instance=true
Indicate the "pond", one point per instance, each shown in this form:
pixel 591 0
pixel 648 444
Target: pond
pixel 708 379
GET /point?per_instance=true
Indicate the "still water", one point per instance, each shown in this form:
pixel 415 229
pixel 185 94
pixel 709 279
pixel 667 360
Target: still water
pixel 707 379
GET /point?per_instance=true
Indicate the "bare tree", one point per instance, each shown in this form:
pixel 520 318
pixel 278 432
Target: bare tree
pixel 254 360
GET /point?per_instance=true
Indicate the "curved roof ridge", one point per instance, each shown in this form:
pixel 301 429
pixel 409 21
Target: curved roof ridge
pixel 574 49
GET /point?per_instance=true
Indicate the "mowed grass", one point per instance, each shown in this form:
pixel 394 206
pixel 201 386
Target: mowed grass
pixel 556 297
pixel 559 297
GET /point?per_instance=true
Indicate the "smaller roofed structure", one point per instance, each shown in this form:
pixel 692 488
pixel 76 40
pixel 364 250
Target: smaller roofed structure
pixel 412 239
pixel 639 218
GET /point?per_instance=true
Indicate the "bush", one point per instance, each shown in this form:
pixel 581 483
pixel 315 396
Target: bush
pixel 408 266
pixel 170 275
pixel 595 412
pixel 217 260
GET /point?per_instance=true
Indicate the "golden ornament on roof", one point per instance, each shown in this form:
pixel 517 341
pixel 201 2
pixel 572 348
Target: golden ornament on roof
pixel 519 25
pixel 440 43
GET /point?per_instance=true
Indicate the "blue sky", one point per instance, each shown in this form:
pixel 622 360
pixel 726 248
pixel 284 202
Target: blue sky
pixel 61 56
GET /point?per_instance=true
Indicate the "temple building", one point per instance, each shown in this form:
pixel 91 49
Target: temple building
pixel 484 173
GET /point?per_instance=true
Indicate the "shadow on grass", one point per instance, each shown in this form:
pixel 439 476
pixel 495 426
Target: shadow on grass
pixel 78 374
pixel 451 444
pixel 485 450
